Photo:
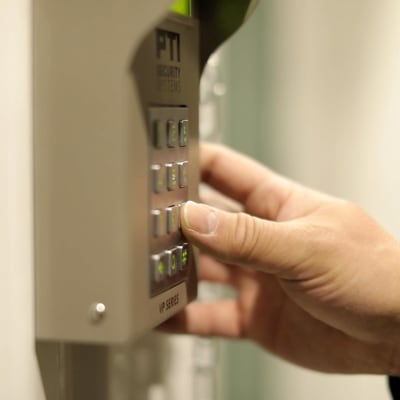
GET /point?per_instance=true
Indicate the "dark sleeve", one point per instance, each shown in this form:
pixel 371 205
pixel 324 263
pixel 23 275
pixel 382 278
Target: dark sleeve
pixel 394 384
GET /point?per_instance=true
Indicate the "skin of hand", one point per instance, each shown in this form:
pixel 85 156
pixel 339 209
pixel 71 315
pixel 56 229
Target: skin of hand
pixel 317 280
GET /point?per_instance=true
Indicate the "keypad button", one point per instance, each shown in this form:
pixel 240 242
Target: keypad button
pixel 170 255
pixel 159 268
pixel 183 255
pixel 159 183
pixel 172 261
pixel 172 133
pixel 173 222
pixel 172 176
pixel 159 222
pixel 183 132
pixel 159 134
pixel 182 173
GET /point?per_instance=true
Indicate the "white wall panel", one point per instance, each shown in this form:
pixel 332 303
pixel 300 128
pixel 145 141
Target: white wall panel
pixel 19 376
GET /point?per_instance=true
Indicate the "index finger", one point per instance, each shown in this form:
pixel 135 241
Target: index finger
pixel 244 180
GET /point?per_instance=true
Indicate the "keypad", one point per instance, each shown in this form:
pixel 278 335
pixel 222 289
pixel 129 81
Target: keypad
pixel 159 178
pixel 172 175
pixel 170 254
pixel 158 267
pixel 159 222
pixel 182 174
pixel 172 133
pixel 169 176
pixel 173 219
pixel 183 132
pixel 159 134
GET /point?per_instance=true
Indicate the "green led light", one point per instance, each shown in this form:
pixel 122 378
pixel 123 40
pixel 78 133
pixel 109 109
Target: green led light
pixel 161 268
pixel 184 256
pixel 183 7
pixel 173 262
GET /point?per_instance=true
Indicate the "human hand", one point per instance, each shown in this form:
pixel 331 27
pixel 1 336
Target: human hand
pixel 317 280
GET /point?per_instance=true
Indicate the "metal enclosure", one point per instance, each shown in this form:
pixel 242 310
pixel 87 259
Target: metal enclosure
pixel 92 152
pixel 115 150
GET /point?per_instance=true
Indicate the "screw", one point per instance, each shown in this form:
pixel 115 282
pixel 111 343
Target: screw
pixel 97 312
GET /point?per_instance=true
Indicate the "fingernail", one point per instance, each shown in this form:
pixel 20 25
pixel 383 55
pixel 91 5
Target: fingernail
pixel 200 218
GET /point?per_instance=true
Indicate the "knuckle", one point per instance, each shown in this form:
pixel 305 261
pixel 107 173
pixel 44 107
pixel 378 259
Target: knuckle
pixel 245 238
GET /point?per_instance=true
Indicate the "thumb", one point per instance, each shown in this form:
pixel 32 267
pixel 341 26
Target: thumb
pixel 238 238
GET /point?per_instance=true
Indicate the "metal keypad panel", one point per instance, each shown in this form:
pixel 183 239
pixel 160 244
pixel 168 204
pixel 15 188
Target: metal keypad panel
pixel 170 254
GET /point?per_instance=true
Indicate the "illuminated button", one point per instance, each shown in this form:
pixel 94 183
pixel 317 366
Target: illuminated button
pixel 183 132
pixel 158 172
pixel 158 267
pixel 172 261
pixel 172 133
pixel 172 176
pixel 182 173
pixel 173 219
pixel 183 255
pixel 159 134
pixel 159 222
